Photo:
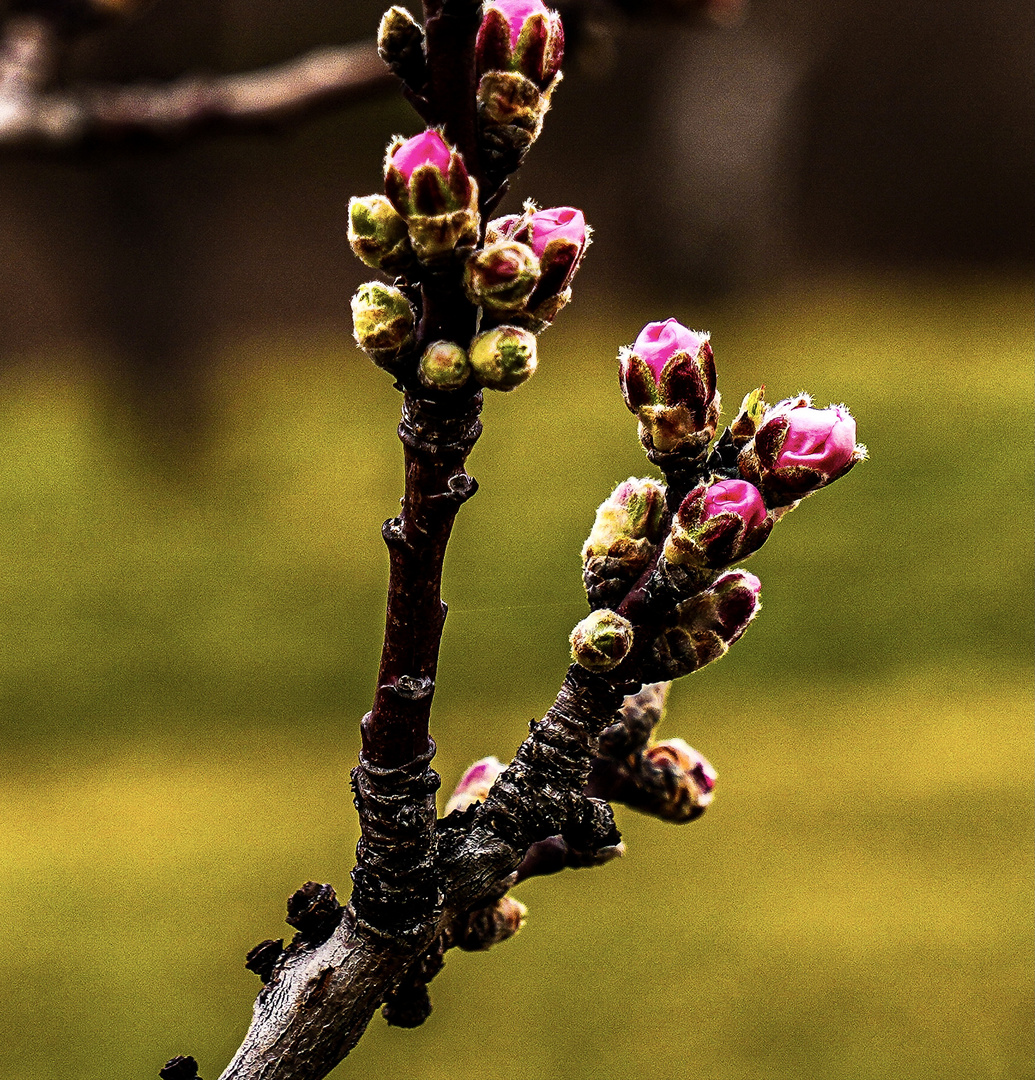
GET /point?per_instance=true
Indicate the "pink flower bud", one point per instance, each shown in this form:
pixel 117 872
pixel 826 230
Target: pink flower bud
pixel 718 524
pixel 474 785
pixel 429 185
pixel 559 223
pixel 735 497
pixel 668 380
pixel 522 36
pixel 428 148
pixel 660 341
pixel 798 449
pixel 823 439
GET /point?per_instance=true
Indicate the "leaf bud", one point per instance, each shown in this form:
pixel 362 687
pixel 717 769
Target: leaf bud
pixel 601 641
pixel 503 358
pixel 400 44
pixel 383 322
pixel 501 276
pixel 622 542
pixel 379 236
pixel 752 409
pixel 444 366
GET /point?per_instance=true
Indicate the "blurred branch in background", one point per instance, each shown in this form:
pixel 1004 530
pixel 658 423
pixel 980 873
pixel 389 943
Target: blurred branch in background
pixel 34 112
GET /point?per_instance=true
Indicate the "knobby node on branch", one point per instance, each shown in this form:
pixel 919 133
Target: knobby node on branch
pixel 467 297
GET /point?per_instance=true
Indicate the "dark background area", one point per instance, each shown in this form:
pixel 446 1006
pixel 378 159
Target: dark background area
pixel 808 135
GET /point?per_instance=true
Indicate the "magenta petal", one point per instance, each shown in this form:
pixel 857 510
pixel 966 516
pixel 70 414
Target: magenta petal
pixel 659 341
pixel 821 438
pixel 737 497
pixel 558 223
pixel 516 12
pixel 428 148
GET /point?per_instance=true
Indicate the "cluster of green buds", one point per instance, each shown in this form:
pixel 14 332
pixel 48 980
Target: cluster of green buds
pixel 427 225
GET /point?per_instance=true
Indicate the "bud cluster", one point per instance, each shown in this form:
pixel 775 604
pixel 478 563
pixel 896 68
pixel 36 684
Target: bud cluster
pixel 664 554
pixel 427 225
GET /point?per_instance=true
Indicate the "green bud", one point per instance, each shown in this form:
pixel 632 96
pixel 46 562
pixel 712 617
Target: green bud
pixel 752 409
pixel 623 540
pixel 503 358
pixel 601 641
pixel 501 276
pixel 444 366
pixel 379 236
pixel 383 321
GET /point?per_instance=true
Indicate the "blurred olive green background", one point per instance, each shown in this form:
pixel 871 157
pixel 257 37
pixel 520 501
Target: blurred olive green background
pixel 185 660
pixel 195 463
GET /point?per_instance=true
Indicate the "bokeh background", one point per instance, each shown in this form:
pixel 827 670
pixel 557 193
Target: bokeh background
pixel 196 462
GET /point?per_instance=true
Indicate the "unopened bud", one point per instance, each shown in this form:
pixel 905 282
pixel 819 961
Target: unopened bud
pixel 444 366
pixel 689 780
pixel 427 181
pixel 473 787
pixel 383 321
pixel 489 925
pixel 379 236
pixel 601 641
pixel 501 276
pixel 623 539
pixel 503 358
pixel 668 381
pixel 559 237
pixel 717 524
pixel 798 449
pixel 708 624
pixel 400 44
pixel 523 36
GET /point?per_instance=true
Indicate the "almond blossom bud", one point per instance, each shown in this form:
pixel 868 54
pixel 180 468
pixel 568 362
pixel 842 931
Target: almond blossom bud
pixel 400 44
pixel 444 366
pixel 379 236
pixel 518 56
pixel 428 183
pixel 490 924
pixel 716 524
pixel 799 449
pixel 623 540
pixel 707 624
pixel 503 358
pixel 501 276
pixel 383 321
pixel 522 36
pixel 668 381
pixel 601 641
pixel 473 787
pixel 689 785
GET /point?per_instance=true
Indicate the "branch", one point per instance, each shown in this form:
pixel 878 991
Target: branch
pixel 319 80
